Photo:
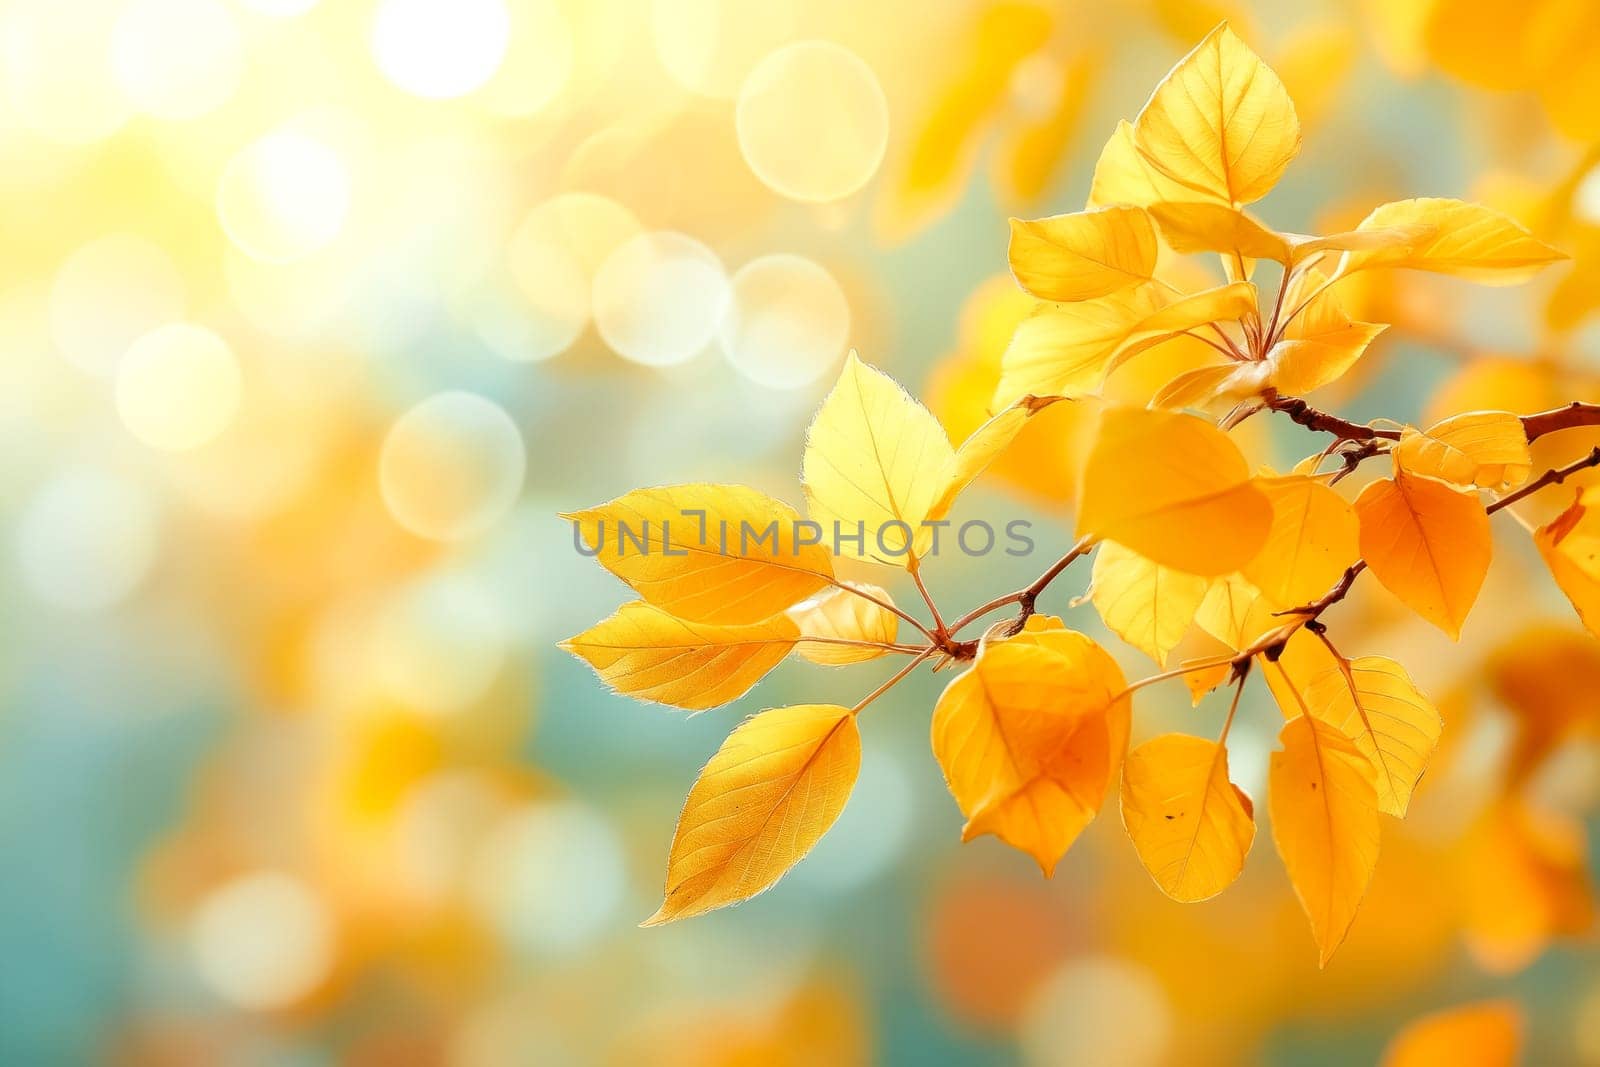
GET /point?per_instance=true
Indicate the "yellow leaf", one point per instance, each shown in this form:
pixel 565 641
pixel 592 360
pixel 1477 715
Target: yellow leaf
pixel 1225 303
pixel 1122 176
pixel 1315 535
pixel 1570 545
pixel 1428 543
pixel 1192 827
pixel 1174 489
pixel 1320 345
pixel 706 553
pixel 768 795
pixel 875 462
pixel 1221 123
pixel 1083 255
pixel 1208 227
pixel 844 615
pixel 1469 240
pixel 1201 387
pixel 1378 238
pixel 1370 700
pixel 1030 736
pixel 1485 1034
pixel 1488 449
pixel 1147 605
pixel 981 448
pixel 1063 349
pixel 646 653
pixel 1325 823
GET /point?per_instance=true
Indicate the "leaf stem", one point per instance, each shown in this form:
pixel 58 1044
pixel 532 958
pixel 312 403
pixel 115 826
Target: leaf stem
pixel 886 606
pixel 893 681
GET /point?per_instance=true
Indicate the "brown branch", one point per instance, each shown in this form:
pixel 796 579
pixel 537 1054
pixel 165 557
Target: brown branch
pixel 1314 419
pixel 1025 598
pixel 1550 477
pixel 1577 413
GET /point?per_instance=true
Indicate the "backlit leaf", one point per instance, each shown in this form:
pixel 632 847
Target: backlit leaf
pixel 1320 344
pixel 1147 605
pixel 1325 823
pixel 1083 255
pixel 1211 227
pixel 1428 543
pixel 1488 449
pixel 1469 240
pixel 843 615
pixel 1029 738
pixel 769 794
pixel 1192 827
pixel 706 553
pixel 1221 123
pixel 646 653
pixel 1570 545
pixel 981 448
pixel 1063 349
pixel 1123 176
pixel 1173 488
pixel 1315 535
pixel 875 460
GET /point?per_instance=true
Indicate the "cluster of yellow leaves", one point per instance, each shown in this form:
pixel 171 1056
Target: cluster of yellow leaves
pixel 1217 135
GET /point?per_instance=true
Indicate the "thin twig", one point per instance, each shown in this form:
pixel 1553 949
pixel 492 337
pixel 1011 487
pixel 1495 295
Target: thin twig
pixel 886 646
pixel 1549 477
pixel 886 606
pixel 892 682
pixel 916 576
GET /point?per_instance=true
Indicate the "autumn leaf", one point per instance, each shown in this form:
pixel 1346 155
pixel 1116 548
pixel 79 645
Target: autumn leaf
pixel 706 553
pixel 1371 700
pixel 1570 545
pixel 1485 1034
pixel 1173 488
pixel 1191 826
pixel 1209 227
pixel 1314 536
pixel 1428 543
pixel 1123 176
pixel 844 615
pixel 1221 123
pixel 1488 449
pixel 1063 349
pixel 644 652
pixel 1083 255
pixel 981 448
pixel 1321 344
pixel 1525 878
pixel 875 461
pixel 1469 240
pixel 1324 811
pixel 1235 613
pixel 1224 303
pixel 1147 605
pixel 769 794
pixel 1029 738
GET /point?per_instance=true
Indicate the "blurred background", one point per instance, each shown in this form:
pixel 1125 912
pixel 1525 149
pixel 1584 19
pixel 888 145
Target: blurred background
pixel 313 315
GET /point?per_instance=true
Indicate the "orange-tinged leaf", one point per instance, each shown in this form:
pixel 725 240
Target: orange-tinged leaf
pixel 1174 489
pixel 1470 241
pixel 1321 344
pixel 1570 545
pixel 1123 176
pixel 1029 738
pixel 1147 605
pixel 1371 700
pixel 1225 303
pixel 1221 123
pixel 1235 613
pixel 1211 227
pixel 1315 535
pixel 769 794
pixel 1325 824
pixel 1525 879
pixel 875 460
pixel 1375 239
pixel 1083 255
pixel 1192 827
pixel 842 614
pixel 706 553
pixel 1488 449
pixel 646 653
pixel 1428 543
pixel 1063 349
pixel 1485 1034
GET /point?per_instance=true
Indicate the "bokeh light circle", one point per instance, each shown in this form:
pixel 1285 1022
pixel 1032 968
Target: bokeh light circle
pixel 787 322
pixel 438 49
pixel 660 298
pixel 709 46
pixel 177 59
pixel 813 122
pixel 178 387
pixel 1086 1013
pixel 284 196
pixel 451 466
pixel 86 540
pixel 553 256
pixel 107 294
pixel 550 877
pixel 439 644
pixel 262 941
pixel 57 68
